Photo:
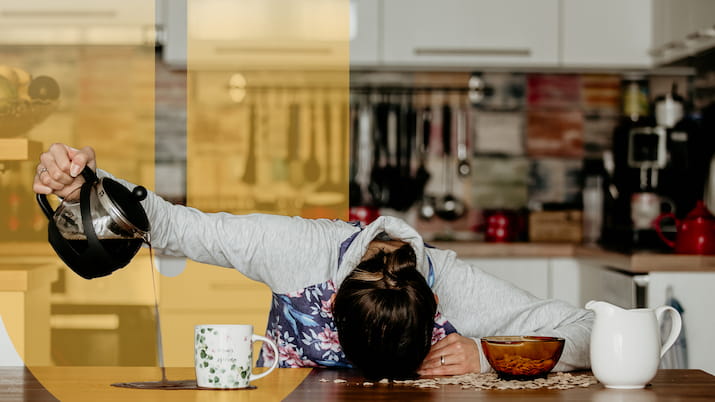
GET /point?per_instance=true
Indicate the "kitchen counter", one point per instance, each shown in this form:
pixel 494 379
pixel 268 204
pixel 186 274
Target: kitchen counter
pixel 635 263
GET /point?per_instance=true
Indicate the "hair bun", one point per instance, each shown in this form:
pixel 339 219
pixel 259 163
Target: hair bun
pixel 400 264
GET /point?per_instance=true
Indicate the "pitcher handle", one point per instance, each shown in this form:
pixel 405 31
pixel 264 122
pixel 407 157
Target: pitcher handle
pixel 275 354
pixel 659 230
pixel 676 325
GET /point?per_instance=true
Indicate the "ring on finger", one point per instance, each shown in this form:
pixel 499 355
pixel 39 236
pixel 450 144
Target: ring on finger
pixel 441 360
pixel 41 171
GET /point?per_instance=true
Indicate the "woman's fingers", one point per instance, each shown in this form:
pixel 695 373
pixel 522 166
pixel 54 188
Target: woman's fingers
pixel 438 349
pixel 452 355
pixel 79 158
pixel 38 185
pixel 60 167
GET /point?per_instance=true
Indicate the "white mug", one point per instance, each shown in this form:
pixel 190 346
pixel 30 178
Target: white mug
pixel 223 356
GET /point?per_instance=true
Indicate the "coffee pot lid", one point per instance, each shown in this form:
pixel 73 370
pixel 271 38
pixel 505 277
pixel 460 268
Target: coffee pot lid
pixel 125 205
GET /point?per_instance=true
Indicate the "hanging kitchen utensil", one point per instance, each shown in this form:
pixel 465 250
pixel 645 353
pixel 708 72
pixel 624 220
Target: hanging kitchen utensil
pixel 102 231
pixel 415 187
pixel 295 165
pixel 448 207
pixel 249 173
pixel 364 150
pixel 329 192
pixel 403 186
pixel 464 168
pixel 380 175
pixel 311 169
pixel 355 191
pixel 422 175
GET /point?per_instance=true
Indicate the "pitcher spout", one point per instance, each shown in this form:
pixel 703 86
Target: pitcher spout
pixel 601 307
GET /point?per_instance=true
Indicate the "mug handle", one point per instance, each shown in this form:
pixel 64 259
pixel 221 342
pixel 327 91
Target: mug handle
pixel 255 338
pixel 676 325
pixel 659 230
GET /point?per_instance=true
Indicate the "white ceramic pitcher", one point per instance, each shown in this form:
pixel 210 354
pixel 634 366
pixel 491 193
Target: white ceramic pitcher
pixel 625 344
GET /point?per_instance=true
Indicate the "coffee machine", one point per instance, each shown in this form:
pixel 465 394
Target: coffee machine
pixel 651 147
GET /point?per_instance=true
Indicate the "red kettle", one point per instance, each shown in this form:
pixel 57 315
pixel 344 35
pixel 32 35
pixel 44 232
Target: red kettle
pixel 695 233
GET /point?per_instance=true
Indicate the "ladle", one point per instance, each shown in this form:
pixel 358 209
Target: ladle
pixel 422 175
pixel 464 168
pixel 331 192
pixel 448 207
pixel 249 173
pixel 311 169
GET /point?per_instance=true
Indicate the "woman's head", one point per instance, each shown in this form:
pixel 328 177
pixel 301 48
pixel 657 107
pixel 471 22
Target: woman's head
pixel 384 312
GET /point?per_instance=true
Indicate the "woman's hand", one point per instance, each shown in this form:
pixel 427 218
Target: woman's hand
pixel 59 169
pixel 452 355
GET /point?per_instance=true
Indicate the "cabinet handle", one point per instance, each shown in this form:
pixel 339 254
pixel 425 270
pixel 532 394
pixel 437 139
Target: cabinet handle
pixel 58 14
pixel 316 51
pixel 473 51
pixel 701 34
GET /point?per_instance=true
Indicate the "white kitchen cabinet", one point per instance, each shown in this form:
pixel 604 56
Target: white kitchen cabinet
pixel 530 274
pixel 268 34
pixel 470 33
pixel 682 28
pixel 694 291
pixel 77 22
pixel 364 33
pixel 606 33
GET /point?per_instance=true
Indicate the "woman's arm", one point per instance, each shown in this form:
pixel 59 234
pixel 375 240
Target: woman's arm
pixel 284 252
pixel 479 304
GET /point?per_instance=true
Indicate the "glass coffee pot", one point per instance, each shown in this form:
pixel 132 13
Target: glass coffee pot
pixel 102 230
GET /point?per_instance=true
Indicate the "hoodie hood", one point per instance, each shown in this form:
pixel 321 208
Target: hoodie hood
pixel 396 229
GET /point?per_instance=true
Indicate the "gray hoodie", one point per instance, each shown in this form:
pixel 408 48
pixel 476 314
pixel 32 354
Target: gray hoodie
pixel 290 254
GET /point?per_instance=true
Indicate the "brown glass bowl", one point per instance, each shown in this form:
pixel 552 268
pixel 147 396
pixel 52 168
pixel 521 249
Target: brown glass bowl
pixel 522 357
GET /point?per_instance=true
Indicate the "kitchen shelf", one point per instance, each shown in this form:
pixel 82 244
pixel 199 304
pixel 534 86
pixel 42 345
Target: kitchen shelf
pixel 19 149
pixel 633 263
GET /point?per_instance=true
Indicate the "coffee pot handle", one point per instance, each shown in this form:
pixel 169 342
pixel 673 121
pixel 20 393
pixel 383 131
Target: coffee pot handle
pixel 659 231
pixel 89 175
pixel 45 205
pixel 675 326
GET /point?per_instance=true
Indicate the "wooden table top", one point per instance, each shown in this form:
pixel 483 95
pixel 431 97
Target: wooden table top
pixel 69 384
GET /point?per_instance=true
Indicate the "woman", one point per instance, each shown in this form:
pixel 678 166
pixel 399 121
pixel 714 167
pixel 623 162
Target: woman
pixel 374 297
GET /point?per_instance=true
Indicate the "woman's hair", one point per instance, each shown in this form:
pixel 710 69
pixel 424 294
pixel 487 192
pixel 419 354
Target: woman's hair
pixel 384 313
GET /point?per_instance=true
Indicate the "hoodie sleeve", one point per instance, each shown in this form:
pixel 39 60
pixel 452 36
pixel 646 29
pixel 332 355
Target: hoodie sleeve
pixel 286 253
pixel 479 304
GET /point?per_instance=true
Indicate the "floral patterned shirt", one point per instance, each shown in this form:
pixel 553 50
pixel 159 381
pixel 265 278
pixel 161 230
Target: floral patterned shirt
pixel 301 324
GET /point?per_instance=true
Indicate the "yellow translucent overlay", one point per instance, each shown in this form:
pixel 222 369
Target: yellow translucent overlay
pixel 266 130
